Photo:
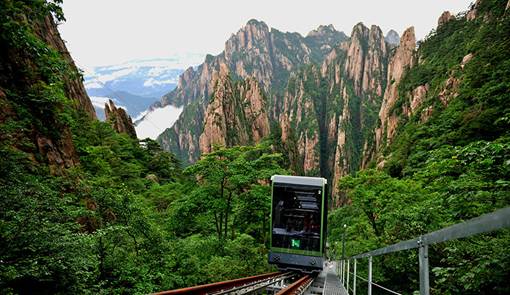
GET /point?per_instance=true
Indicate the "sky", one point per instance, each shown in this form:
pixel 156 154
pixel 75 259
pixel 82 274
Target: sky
pixel 106 32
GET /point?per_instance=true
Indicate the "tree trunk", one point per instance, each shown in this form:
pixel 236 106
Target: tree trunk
pixel 371 219
pixel 217 224
pixel 226 213
pixel 221 226
pixel 233 228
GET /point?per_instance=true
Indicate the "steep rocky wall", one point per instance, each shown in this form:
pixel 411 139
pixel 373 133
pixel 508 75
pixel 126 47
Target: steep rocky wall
pixel 257 51
pixel 36 79
pixel 403 59
pixel 119 119
pixel 47 31
pixel 329 112
pixel 236 115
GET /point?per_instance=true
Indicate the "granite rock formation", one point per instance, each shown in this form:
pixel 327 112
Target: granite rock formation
pixel 119 119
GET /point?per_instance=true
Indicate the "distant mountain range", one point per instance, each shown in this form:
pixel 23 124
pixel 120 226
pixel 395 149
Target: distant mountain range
pixel 137 84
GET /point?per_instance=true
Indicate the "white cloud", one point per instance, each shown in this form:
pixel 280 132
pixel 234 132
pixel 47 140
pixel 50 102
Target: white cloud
pixel 156 121
pixel 99 101
pixel 93 85
pixel 117 74
pixel 155 82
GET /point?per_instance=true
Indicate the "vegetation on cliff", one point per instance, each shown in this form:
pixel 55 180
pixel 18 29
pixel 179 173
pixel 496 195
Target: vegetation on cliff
pixel 85 209
pixel 443 168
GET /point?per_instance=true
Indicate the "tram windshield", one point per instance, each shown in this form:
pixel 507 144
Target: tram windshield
pixel 297 217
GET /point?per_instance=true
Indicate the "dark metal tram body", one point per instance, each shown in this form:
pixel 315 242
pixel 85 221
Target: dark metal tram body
pixel 298 222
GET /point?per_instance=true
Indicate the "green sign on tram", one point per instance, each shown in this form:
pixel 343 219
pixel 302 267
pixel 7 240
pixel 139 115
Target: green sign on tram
pixel 295 243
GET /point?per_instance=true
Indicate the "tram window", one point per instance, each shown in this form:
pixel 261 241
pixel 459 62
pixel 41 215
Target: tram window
pixel 297 217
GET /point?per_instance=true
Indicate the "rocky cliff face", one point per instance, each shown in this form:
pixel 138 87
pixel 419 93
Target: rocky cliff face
pixel 341 114
pixel 48 32
pixel 335 116
pixel 403 59
pixel 236 115
pixel 257 51
pixel 119 119
pixel 301 121
pixel 436 93
pixel 444 18
pixel 32 99
pixel 329 112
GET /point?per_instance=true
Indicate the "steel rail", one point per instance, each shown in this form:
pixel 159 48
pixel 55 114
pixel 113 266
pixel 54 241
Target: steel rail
pixel 221 286
pixel 251 287
pixel 298 287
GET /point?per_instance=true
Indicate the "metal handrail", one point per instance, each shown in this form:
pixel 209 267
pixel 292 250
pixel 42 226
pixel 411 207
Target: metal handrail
pixel 375 284
pixel 483 224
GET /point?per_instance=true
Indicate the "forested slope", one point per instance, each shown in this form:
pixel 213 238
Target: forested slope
pixel 448 161
pixel 87 210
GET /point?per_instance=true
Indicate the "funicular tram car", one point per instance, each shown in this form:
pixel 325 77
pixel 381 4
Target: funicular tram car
pixel 298 222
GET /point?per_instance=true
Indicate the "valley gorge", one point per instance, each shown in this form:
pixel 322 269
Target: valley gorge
pixel 412 135
pixel 324 92
pixel 333 103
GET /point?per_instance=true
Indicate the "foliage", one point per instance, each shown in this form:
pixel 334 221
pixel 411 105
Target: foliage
pixel 453 167
pixel 233 184
pixel 126 219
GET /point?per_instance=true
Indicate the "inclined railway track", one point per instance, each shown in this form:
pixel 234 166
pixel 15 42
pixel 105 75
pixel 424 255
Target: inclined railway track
pixel 298 287
pixel 250 285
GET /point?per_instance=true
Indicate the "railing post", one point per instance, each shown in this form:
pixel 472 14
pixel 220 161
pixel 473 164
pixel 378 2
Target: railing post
pixel 345 271
pixel 348 268
pixel 340 270
pixel 354 279
pixel 369 275
pixel 424 268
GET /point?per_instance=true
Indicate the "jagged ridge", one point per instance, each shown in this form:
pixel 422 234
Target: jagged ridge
pixel 267 55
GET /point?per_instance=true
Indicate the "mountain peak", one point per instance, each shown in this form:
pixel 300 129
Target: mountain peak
pixel 119 119
pixel 375 29
pixel 326 32
pixel 256 23
pixel 392 37
pixel 322 30
pixel 359 28
pixel 408 38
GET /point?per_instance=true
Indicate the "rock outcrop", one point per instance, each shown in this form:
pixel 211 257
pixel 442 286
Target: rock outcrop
pixel 257 51
pixel 402 60
pixel 119 119
pixel 473 12
pixel 42 134
pixel 48 32
pixel 236 115
pixel 444 18
pixel 355 145
pixel 329 112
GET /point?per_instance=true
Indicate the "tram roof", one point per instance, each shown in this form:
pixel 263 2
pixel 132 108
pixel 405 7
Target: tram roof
pixel 300 180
